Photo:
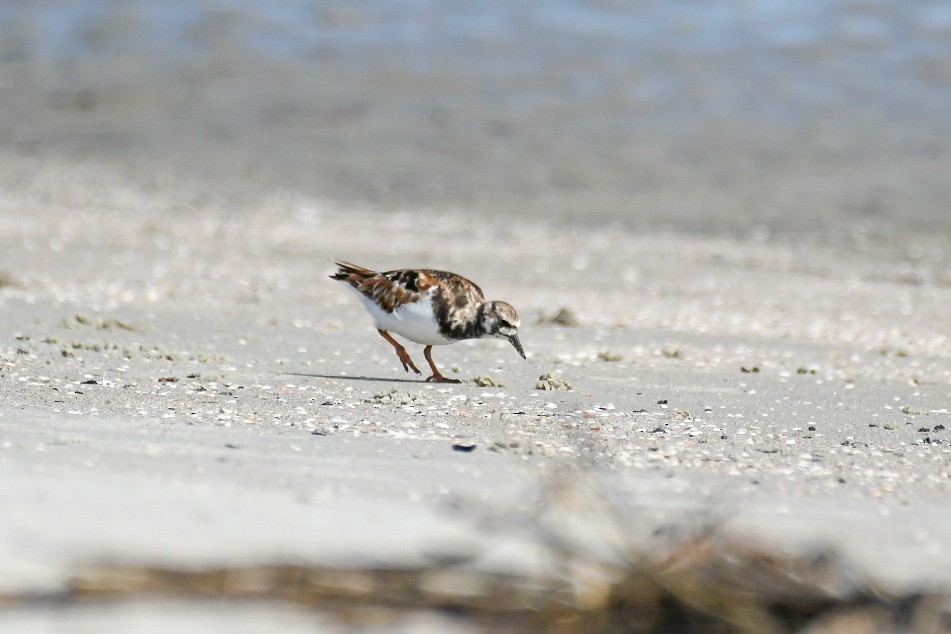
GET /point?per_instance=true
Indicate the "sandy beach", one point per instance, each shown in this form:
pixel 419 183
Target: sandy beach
pixel 731 257
pixel 191 390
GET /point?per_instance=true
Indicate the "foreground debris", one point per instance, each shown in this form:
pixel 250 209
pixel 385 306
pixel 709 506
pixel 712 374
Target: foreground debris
pixel 599 582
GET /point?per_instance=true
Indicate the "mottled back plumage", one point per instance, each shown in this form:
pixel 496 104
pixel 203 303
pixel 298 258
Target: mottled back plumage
pixel 456 300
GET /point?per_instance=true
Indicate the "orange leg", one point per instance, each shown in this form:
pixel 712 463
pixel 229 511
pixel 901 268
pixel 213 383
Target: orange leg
pixel 400 352
pixel 437 376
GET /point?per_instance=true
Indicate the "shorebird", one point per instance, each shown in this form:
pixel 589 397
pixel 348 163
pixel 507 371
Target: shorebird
pixel 432 308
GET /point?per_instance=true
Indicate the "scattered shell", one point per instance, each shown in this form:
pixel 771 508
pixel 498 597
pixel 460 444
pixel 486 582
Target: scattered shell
pixel 487 381
pixel 511 446
pixel 394 397
pixel 8 281
pixel 671 352
pixel 101 324
pixel 564 317
pixel 552 381
pixel 607 355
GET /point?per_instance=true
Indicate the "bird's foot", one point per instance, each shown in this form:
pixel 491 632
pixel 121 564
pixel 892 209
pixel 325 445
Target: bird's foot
pixel 438 378
pixel 407 362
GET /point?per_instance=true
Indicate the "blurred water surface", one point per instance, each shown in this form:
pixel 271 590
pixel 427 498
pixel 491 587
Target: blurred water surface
pixel 695 115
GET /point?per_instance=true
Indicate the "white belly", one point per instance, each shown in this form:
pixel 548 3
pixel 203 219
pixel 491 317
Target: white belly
pixel 415 322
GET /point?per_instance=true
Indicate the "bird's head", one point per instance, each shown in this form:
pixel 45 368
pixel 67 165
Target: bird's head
pixel 500 320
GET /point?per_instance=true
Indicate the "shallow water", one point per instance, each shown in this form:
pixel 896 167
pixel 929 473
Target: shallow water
pixel 704 116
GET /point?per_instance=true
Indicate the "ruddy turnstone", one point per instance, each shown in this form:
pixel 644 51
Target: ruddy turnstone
pixel 429 307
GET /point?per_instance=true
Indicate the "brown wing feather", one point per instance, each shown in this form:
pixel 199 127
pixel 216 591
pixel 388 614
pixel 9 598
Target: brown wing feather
pixel 390 289
pixel 456 300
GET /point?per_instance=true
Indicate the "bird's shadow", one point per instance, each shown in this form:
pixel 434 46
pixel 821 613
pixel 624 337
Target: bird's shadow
pixel 375 379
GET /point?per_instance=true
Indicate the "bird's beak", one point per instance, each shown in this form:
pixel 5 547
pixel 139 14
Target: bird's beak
pixel 518 345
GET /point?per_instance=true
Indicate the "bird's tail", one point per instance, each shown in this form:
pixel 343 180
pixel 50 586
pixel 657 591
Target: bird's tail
pixel 346 271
